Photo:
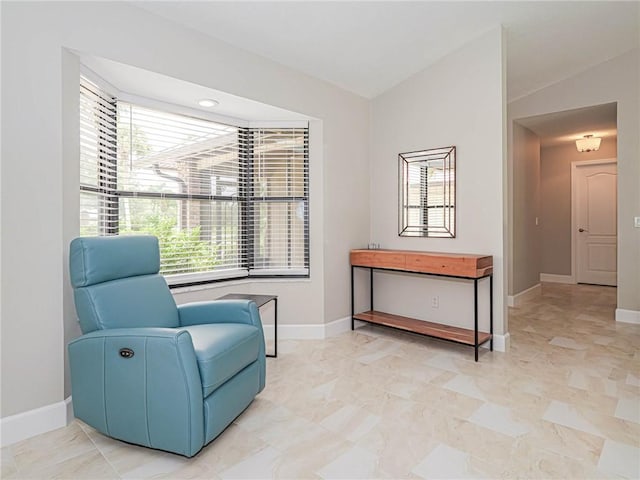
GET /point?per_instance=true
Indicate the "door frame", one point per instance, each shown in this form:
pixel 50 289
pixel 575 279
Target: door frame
pixel 574 202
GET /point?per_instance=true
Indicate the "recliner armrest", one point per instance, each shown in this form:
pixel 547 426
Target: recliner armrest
pixel 226 311
pixel 141 385
pixel 219 311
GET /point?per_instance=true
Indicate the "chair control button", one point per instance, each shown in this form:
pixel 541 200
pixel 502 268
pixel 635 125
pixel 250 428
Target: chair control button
pixel 126 353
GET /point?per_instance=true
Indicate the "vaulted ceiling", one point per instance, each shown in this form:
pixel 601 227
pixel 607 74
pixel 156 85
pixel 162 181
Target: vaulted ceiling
pixel 368 47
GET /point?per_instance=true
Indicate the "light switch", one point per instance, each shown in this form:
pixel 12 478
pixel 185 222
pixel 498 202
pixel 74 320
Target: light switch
pixel 636 222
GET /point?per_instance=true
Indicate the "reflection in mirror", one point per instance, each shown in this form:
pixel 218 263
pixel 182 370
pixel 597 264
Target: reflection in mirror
pixel 427 190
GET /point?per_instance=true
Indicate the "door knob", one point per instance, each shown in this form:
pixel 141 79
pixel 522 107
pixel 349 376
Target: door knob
pixel 582 230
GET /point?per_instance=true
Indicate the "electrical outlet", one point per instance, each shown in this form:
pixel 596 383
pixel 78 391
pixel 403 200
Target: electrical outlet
pixel 435 302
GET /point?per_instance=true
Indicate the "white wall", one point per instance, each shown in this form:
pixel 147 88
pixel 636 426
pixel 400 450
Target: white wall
pixel 457 101
pixel 39 158
pixel 617 80
pixel 525 268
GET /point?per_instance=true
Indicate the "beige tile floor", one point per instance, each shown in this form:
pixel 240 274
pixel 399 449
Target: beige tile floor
pixel 563 403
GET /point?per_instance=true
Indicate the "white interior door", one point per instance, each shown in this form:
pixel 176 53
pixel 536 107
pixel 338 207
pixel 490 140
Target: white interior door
pixel 596 223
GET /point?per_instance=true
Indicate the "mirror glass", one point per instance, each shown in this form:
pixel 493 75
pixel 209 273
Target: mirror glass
pixel 427 205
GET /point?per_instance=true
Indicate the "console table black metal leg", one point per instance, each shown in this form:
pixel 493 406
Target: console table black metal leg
pixel 275 329
pixel 491 311
pixel 353 311
pixel 371 289
pixel 475 314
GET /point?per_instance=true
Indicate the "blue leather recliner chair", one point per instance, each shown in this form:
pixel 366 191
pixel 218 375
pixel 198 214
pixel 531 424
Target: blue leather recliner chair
pixel 147 371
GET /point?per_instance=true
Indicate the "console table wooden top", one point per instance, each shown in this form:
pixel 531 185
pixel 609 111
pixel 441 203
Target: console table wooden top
pixel 437 263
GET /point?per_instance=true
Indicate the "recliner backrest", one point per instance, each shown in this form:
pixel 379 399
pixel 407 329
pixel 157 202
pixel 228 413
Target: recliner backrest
pixel 116 283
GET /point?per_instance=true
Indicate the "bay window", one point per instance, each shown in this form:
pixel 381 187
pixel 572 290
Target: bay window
pixel 225 201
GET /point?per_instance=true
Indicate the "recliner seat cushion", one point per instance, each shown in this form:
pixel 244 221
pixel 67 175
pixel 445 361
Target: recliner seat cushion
pixel 222 350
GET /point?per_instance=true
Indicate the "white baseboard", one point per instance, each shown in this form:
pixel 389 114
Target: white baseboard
pixel 70 414
pixel 553 278
pixel 627 316
pixel 501 343
pixel 524 296
pixel 21 426
pixel 314 332
pixel 337 327
pixel 301 332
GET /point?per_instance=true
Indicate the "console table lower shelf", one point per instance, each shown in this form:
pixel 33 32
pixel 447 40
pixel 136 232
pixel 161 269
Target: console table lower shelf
pixel 422 327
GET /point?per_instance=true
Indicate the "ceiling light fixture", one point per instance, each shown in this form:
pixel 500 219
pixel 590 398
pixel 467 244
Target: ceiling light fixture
pixel 207 102
pixel 588 144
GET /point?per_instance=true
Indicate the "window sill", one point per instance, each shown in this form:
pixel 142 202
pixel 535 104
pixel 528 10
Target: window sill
pixel 212 285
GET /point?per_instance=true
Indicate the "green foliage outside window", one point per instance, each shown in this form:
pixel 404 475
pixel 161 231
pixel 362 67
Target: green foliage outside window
pixel 181 251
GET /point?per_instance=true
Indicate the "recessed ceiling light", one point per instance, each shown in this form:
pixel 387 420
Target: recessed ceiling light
pixel 207 102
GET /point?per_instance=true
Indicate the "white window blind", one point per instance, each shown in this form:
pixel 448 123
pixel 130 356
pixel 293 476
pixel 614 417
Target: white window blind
pixel 224 201
pixel 98 146
pixel 279 210
pixel 179 179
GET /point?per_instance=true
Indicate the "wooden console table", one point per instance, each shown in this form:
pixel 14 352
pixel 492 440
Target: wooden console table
pixel 452 265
